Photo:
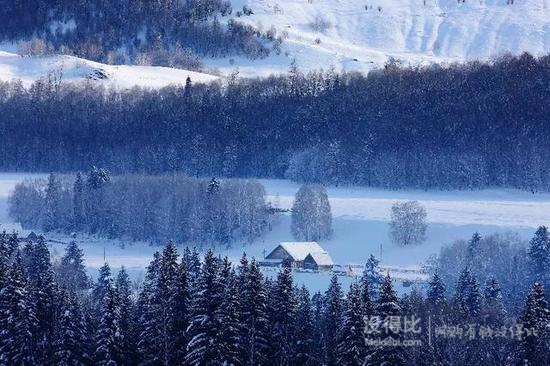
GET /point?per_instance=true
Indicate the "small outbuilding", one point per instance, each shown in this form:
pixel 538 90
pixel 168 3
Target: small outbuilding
pixel 318 261
pixel 294 254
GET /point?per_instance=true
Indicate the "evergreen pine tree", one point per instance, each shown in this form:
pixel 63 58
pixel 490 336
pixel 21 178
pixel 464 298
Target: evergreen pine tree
pixel 228 317
pixel 436 300
pixel 181 309
pixel 467 297
pixel 493 307
pixel 52 217
pixel 253 345
pixel 17 319
pixel 193 265
pixel 203 346
pixel 125 309
pixel 304 329
pixel 103 284
pixel 71 335
pixel 351 348
pixel 536 317
pixel 318 302
pixel 332 318
pixel 43 293
pixel 373 277
pixel 539 256
pixel 496 350
pixel 107 338
pixel 148 326
pixel 164 293
pixel 366 300
pixel 284 308
pixel 71 271
pixel 387 306
pixel 473 249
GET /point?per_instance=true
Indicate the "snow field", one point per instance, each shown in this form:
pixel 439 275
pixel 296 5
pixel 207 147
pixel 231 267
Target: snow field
pixel 360 226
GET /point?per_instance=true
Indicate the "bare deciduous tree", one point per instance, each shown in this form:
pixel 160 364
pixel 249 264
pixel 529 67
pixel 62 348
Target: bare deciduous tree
pixel 408 223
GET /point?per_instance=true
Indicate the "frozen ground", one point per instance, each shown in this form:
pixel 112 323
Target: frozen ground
pixel 360 225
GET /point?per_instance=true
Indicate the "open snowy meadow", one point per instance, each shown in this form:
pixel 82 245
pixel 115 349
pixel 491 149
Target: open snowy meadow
pixel 360 225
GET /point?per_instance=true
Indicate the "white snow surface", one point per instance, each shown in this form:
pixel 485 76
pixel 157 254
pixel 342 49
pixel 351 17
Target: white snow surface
pixel 360 226
pixel 322 259
pixel 300 250
pixel 74 69
pixel 414 31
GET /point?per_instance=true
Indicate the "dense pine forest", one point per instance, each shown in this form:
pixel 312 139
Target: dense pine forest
pixel 165 32
pixel 464 126
pixel 190 311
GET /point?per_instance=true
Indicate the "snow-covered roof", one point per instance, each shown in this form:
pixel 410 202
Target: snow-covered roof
pixel 299 250
pixel 322 259
pixel 10 228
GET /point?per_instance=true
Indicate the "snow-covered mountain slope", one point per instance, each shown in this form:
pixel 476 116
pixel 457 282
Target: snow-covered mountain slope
pixel 349 35
pixel 73 69
pixel 359 35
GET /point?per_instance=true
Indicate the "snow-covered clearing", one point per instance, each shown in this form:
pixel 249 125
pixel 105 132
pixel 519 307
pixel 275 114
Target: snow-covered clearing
pixel 360 225
pixel 74 69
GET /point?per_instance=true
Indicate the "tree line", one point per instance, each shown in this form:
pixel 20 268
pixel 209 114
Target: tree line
pixel 148 208
pixel 504 258
pixel 190 311
pixel 164 32
pixel 464 126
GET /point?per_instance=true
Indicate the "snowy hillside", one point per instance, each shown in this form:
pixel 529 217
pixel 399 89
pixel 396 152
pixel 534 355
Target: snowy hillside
pixel 347 35
pixel 72 69
pixel 350 35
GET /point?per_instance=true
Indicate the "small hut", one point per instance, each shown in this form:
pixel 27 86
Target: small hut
pixel 318 261
pixel 295 253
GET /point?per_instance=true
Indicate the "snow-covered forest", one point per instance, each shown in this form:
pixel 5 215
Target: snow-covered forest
pixel 274 182
pixel 169 33
pixel 208 312
pixel 154 209
pixel 466 126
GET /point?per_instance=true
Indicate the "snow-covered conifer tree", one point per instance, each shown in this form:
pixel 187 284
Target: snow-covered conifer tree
pixel 467 298
pixel 203 345
pixel 387 306
pixel 71 345
pixel 71 271
pixel 539 256
pixel 351 347
pixel 107 335
pixel 18 323
pixel 332 319
pixel 304 329
pixel 536 317
pixel 373 277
